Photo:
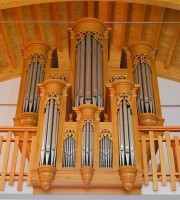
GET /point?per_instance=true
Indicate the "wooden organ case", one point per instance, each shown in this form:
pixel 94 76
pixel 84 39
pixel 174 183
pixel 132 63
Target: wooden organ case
pixel 87 138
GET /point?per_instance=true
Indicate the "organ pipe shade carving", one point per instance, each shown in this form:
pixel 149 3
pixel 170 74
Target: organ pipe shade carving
pixel 125 131
pixel 69 149
pixel 50 133
pixel 35 74
pixel 143 76
pixel 89 72
pixel 105 149
pixel 87 144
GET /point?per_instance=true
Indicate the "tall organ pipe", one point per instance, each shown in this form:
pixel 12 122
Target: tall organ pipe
pixel 87 145
pixel 50 133
pixel 143 76
pixel 89 72
pixel 125 132
pixel 35 75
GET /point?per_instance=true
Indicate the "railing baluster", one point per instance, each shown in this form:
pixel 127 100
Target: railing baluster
pixel 145 160
pixel 177 151
pixel 14 161
pixel 170 161
pixel 153 160
pixel 162 161
pixel 31 159
pixel 5 162
pixel 1 141
pixel 23 159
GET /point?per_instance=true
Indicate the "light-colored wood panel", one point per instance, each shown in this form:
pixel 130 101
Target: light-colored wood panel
pixel 23 159
pixel 162 161
pixel 5 161
pixel 36 16
pixel 153 161
pixel 14 161
pixel 170 162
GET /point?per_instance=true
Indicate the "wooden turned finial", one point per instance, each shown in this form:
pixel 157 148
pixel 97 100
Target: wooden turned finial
pixel 128 176
pixel 46 175
pixel 87 174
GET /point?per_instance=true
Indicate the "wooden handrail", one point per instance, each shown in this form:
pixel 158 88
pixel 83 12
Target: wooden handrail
pixel 17 128
pixel 160 128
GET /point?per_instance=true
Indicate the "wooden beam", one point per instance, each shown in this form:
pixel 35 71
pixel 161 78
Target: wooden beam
pixel 173 4
pixel 158 30
pixel 70 11
pixel 137 15
pixel 57 32
pixel 104 11
pixel 36 16
pixel 18 16
pixel 173 45
pixel 90 8
pixel 7 41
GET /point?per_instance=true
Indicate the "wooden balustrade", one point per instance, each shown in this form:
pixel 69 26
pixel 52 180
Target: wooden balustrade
pixel 161 155
pixel 16 155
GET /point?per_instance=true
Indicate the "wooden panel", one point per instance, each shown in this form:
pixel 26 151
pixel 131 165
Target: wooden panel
pixel 162 161
pixel 145 160
pixel 31 160
pixel 1 141
pixel 153 160
pixel 23 159
pixel 177 152
pixel 5 161
pixel 170 161
pixel 14 161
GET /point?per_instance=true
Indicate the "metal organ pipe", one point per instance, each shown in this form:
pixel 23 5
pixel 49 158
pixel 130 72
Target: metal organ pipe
pixel 35 74
pixel 89 72
pixel 125 131
pixel 143 76
pixel 87 145
pixel 50 133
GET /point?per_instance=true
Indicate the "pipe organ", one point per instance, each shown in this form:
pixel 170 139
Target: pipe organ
pixel 88 115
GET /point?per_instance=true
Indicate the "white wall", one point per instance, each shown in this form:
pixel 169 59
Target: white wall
pixel 9 91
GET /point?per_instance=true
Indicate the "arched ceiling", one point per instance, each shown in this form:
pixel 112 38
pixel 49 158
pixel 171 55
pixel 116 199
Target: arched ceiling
pixel 131 20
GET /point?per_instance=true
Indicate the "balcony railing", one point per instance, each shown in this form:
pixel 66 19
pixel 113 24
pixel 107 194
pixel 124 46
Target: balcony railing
pixel 16 155
pixel 160 155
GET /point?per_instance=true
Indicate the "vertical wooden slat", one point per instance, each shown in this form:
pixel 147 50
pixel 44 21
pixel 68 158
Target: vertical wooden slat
pixel 153 161
pixel 162 161
pixel 145 161
pixel 1 140
pixel 23 159
pixel 14 161
pixel 177 152
pixel 5 162
pixel 31 159
pixel 170 161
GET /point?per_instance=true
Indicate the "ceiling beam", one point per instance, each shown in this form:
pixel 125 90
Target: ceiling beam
pixel 36 16
pixel 120 14
pixel 90 8
pixel 173 45
pixel 18 16
pixel 158 30
pixel 7 41
pixel 70 11
pixel 57 32
pixel 174 4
